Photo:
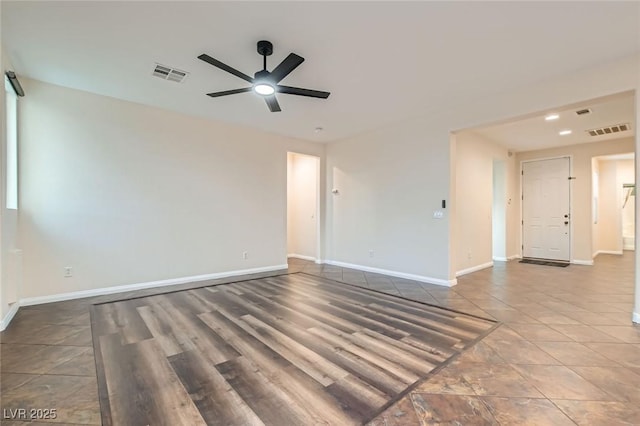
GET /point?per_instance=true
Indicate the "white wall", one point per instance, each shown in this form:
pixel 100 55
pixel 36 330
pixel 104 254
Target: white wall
pixel 475 157
pixel 10 269
pixel 124 193
pixel 609 226
pixel 302 205
pixel 390 182
pixel 393 178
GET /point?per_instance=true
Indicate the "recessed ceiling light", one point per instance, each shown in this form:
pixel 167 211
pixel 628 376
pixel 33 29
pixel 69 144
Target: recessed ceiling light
pixel 550 117
pixel 564 132
pixel 318 129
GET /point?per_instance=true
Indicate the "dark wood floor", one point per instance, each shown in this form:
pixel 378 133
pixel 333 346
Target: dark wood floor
pixel 288 350
pixel 565 354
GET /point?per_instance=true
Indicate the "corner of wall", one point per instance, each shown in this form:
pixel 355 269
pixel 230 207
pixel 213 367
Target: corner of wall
pixel 13 309
pixel 474 268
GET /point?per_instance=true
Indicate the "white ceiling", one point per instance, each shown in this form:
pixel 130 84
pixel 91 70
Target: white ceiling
pixel 381 61
pixel 537 133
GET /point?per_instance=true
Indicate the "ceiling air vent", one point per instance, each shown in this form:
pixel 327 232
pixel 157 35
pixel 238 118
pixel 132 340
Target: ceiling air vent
pixel 583 111
pixel 608 130
pixel 168 73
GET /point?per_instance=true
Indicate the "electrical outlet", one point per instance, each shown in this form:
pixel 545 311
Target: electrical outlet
pixel 469 255
pixel 371 253
pixel 68 272
pixel 245 255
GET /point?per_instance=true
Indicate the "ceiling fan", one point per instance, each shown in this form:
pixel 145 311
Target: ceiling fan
pixel 265 83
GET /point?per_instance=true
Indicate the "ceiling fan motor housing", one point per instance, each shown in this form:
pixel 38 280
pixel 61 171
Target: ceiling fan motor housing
pixel 262 75
pixel 265 48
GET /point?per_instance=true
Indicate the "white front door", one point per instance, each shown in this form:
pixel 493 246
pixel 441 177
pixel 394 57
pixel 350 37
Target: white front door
pixel 545 209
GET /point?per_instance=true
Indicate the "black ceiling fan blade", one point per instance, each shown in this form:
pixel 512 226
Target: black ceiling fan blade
pixel 273 104
pixel 289 64
pixel 229 92
pixel 225 67
pixel 302 92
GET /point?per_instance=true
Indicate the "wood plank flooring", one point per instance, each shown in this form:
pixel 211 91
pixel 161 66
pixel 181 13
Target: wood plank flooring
pixel 287 350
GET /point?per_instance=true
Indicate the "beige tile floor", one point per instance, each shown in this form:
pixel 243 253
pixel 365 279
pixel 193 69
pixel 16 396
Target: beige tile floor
pixel 566 353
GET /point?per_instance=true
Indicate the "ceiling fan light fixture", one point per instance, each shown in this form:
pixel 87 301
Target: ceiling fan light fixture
pixel 263 88
pixel 264 82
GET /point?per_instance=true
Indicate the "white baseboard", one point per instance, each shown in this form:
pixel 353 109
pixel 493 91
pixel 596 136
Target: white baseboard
pixel 636 317
pixel 7 318
pixel 301 256
pixel 617 252
pixel 582 262
pixel 474 268
pixel 423 279
pixel 506 259
pixel 140 286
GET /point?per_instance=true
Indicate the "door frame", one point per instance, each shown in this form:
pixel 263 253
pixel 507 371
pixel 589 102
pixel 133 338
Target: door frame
pixel 570 157
pixel 622 220
pixel 318 161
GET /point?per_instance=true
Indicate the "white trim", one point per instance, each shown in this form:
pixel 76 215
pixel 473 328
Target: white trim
pixel 421 278
pixel 139 286
pixel 7 318
pixel 630 247
pixel 301 256
pixel 636 317
pixel 475 268
pixel 582 262
pixel 608 252
pixel 508 258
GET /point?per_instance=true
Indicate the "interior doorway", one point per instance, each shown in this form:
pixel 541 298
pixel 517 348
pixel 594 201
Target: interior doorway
pixel 303 206
pixel 546 230
pixel 499 211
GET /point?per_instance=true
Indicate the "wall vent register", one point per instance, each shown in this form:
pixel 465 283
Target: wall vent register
pixel 610 129
pixel 167 73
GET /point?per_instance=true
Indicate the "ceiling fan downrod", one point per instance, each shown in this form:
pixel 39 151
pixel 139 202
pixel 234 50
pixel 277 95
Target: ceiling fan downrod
pixel 265 48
